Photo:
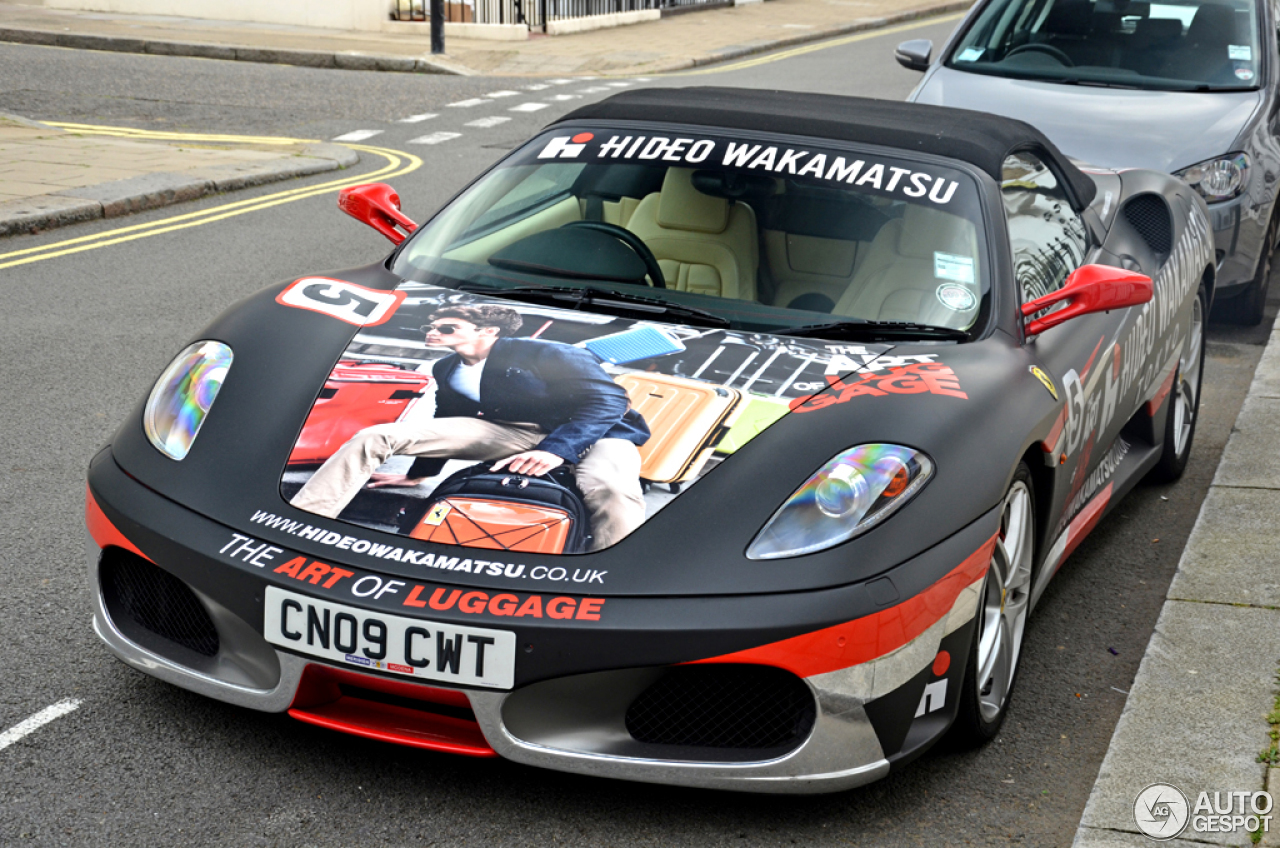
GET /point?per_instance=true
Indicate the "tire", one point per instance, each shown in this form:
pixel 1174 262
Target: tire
pixel 1246 309
pixel 1001 619
pixel 1184 400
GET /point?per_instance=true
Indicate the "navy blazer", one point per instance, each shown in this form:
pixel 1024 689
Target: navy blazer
pixel 559 387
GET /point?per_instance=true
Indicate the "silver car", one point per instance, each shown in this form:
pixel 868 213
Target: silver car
pixel 1182 86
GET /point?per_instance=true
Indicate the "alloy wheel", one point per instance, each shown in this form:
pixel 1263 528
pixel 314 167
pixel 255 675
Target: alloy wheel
pixel 1005 602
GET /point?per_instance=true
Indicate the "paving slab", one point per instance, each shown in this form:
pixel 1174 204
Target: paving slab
pixel 1233 555
pixel 1195 718
pixel 53 177
pixel 1252 455
pixel 1266 380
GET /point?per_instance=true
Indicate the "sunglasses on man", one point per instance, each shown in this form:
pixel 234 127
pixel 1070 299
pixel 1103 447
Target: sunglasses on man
pixel 442 329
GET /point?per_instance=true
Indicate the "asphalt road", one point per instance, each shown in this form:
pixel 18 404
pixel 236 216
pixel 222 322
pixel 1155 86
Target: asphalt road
pixel 143 763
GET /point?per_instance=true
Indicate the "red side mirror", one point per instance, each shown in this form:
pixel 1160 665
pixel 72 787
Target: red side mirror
pixel 1090 288
pixel 377 205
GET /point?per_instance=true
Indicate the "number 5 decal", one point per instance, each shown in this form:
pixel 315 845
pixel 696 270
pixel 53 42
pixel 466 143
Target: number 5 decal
pixel 342 300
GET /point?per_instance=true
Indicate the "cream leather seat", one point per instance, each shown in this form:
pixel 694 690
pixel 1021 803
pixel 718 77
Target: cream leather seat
pixel 897 282
pixel 705 244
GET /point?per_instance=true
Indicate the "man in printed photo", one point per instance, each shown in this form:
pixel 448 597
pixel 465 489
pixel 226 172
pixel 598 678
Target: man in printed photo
pixel 529 405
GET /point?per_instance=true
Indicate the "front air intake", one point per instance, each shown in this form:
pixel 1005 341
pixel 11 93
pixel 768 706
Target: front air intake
pixel 723 706
pixel 147 602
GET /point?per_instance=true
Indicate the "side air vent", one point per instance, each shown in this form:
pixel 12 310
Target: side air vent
pixel 1149 215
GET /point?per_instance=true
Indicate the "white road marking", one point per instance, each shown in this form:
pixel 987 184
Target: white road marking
pixel 563 97
pixel 434 138
pixel 528 107
pixel 595 89
pixel 416 119
pixel 466 104
pixel 617 84
pixel 538 87
pixel 31 725
pixel 642 79
pixel 561 81
pixel 492 121
pixel 357 135
pixel 497 94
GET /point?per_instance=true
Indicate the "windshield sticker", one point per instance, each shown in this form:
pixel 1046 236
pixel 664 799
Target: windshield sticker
pixel 949 266
pixel 1244 74
pixel 1240 52
pixel 956 297
pixel 566 148
pixel 970 54
pixel 483 423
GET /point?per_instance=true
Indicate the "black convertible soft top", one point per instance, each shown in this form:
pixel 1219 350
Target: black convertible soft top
pixel 976 137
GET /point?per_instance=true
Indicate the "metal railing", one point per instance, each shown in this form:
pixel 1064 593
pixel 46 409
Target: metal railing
pixel 535 13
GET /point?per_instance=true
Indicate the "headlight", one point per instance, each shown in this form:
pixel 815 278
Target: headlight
pixel 182 396
pixel 1218 179
pixel 848 496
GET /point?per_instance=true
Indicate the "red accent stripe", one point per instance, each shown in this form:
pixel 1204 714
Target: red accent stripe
pixel 875 635
pixel 320 701
pixel 1082 525
pixel 1153 405
pixel 101 528
pixel 1051 440
pixel 1084 372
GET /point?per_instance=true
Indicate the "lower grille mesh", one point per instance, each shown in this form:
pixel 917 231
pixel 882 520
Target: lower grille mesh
pixel 156 601
pixel 723 706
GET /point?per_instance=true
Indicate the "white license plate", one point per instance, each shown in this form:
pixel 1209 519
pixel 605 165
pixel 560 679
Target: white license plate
pixel 412 647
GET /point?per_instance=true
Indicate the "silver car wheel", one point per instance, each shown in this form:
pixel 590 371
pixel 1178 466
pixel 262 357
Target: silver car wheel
pixel 1006 593
pixel 1188 386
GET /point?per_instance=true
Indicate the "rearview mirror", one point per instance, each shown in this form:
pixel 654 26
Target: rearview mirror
pixel 377 205
pixel 1089 288
pixel 914 54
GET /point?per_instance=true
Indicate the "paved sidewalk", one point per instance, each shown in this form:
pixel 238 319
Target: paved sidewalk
pixel 1201 708
pixel 51 177
pixel 672 43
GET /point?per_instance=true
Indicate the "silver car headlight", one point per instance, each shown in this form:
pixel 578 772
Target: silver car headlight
pixel 181 398
pixel 1218 179
pixel 850 494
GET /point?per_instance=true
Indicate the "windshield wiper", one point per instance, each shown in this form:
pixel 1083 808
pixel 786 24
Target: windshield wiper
pixel 577 298
pixel 871 331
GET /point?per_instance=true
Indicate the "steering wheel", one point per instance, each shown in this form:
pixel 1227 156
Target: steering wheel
pixel 1047 49
pixel 632 241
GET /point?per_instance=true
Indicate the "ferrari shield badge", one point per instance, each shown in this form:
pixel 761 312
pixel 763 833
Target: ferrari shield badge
pixel 1046 380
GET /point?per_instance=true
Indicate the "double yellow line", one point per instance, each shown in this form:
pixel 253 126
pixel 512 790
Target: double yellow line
pixel 397 163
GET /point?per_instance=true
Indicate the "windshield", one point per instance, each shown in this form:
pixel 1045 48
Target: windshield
pixel 1189 46
pixel 740 232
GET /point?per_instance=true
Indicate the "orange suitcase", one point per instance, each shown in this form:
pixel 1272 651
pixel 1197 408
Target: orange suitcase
pixel 686 418
pixel 478 508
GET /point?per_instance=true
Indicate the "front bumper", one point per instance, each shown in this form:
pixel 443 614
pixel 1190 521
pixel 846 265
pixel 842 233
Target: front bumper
pixel 1239 230
pixel 865 717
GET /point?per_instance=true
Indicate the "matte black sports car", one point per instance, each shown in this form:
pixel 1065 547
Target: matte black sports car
pixel 712 437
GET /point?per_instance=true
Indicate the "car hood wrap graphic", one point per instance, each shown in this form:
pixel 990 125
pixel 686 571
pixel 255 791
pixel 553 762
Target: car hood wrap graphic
pixel 404 434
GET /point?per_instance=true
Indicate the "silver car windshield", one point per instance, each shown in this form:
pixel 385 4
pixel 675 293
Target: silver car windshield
pixel 765 235
pixel 1188 46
